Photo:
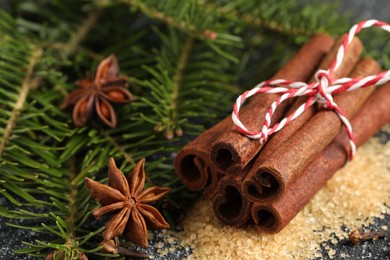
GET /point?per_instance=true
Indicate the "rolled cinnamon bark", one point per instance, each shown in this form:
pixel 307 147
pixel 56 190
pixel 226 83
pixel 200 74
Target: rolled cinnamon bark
pixel 289 161
pixel 211 187
pixel 229 205
pixel 273 217
pixel 231 152
pixel 192 164
pixel 257 186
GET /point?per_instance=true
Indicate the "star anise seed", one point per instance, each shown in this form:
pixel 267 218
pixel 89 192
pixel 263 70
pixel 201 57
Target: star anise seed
pixel 128 198
pixel 97 94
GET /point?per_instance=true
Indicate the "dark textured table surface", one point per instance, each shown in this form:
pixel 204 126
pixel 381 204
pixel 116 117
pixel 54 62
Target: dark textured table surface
pixel 12 238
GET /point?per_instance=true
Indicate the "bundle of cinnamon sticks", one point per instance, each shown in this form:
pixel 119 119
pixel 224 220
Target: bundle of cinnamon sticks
pixel 269 184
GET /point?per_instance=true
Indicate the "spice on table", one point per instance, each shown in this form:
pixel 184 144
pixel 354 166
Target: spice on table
pixel 229 205
pixel 130 200
pixel 192 164
pixel 358 235
pixel 97 94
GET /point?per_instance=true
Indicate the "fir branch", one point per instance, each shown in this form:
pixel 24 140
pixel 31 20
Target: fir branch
pixel 128 157
pixel 29 82
pixel 289 18
pixel 188 17
pixel 189 77
pixel 272 25
pixel 171 21
pixel 177 81
pixel 72 206
pixel 82 31
pixel 59 46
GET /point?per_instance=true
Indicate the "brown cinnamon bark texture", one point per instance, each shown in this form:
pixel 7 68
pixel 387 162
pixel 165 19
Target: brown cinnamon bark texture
pixel 229 205
pixel 257 186
pixel 211 187
pixel 192 163
pixel 231 152
pixel 273 217
pixel 289 161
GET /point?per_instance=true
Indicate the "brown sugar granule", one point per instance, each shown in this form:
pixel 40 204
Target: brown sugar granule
pixel 353 197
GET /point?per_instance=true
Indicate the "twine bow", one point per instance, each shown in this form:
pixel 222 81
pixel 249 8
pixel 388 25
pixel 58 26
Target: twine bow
pixel 319 91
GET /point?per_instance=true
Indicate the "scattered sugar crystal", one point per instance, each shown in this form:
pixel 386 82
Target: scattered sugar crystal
pixel 160 245
pixel 171 240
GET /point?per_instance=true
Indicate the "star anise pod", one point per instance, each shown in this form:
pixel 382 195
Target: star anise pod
pixel 128 198
pixel 97 94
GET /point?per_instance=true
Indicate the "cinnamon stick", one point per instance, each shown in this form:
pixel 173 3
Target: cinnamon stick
pixel 231 152
pixel 192 164
pixel 288 162
pixel 229 205
pixel 257 186
pixel 273 217
pixel 211 187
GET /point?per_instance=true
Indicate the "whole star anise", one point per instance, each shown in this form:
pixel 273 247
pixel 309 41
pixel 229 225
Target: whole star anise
pixel 130 200
pixel 97 94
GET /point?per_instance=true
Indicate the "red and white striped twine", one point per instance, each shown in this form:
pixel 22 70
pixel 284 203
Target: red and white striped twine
pixel 319 91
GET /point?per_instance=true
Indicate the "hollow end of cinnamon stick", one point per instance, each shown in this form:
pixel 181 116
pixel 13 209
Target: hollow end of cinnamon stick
pixel 225 156
pixel 229 205
pixel 266 219
pixel 192 169
pixel 265 186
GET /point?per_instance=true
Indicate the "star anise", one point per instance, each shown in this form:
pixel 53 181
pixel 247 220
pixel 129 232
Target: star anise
pixel 97 94
pixel 128 198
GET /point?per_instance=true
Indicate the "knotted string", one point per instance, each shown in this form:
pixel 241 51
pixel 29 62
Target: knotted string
pixel 320 91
